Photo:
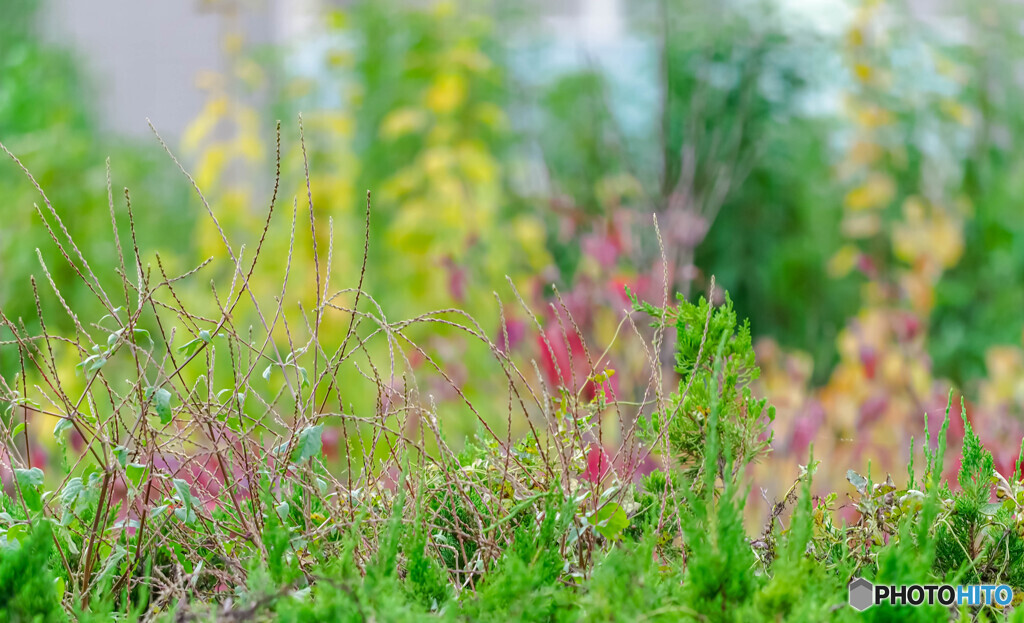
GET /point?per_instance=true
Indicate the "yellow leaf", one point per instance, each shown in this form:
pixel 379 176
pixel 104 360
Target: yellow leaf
pixel 447 93
pixel 437 160
pixel 863 72
pixel 469 57
pixel 249 147
pixel 492 116
pixel 864 152
pixel 855 37
pixel 250 73
pixel 876 192
pixel 211 165
pixel 614 189
pixel 232 43
pixel 202 125
pixel 956 111
pixel 843 261
pixel 445 8
pixel 340 59
pixel 872 117
pixel 530 235
pixel 402 121
pixel 1004 361
pixel 402 183
pixel 861 225
pixel 477 163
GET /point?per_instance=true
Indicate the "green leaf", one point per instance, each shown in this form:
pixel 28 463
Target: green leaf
pixel 92 363
pixel 17 532
pixel 62 425
pixel 159 510
pixel 112 561
pixel 121 454
pixel 144 334
pixel 30 480
pixel 267 371
pixel 305 377
pixel 136 473
pixel 185 495
pixel 30 477
pixel 310 443
pixel 990 510
pixel 71 491
pixel 114 315
pixel 190 347
pixel 162 401
pixel 184 492
pixel 185 515
pixel 610 520
pixel 17 429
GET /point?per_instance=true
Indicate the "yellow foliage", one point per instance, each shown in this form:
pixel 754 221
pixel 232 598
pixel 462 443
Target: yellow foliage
pixel 863 72
pixel 843 261
pixel 529 232
pixel 855 37
pixel 871 116
pixel 612 190
pixel 491 115
pixel 232 43
pixel 864 152
pixel 469 57
pixel 1005 379
pixel 402 183
pixel 401 122
pixel 861 225
pixel 931 237
pixel 446 94
pixel 875 193
pixel 201 127
pixel 478 165
pixel 437 160
pixel 340 59
pixel 956 111
pixel 211 165
pixel 250 73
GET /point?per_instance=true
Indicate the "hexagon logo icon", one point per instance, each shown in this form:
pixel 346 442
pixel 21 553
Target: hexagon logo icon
pixel 861 594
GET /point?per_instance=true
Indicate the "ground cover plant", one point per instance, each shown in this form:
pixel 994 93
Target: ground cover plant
pixel 194 483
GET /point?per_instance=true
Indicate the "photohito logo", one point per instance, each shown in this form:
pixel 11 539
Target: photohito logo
pixel 864 594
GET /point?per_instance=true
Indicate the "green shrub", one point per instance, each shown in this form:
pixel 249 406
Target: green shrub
pixel 29 593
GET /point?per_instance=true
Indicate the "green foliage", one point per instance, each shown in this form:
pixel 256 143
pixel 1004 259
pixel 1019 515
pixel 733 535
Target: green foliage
pixel 29 593
pixel 48 120
pixel 476 536
pixel 707 335
pixel 719 559
pixel 524 584
pixel 978 542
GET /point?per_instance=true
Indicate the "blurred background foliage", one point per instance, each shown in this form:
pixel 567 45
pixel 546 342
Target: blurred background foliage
pixel 48 121
pixel 854 190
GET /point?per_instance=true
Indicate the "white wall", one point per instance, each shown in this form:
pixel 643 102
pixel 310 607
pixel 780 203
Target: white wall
pixel 143 56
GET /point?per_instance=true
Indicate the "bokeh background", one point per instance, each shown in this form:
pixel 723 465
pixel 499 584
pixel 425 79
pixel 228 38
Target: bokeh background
pixel 848 171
